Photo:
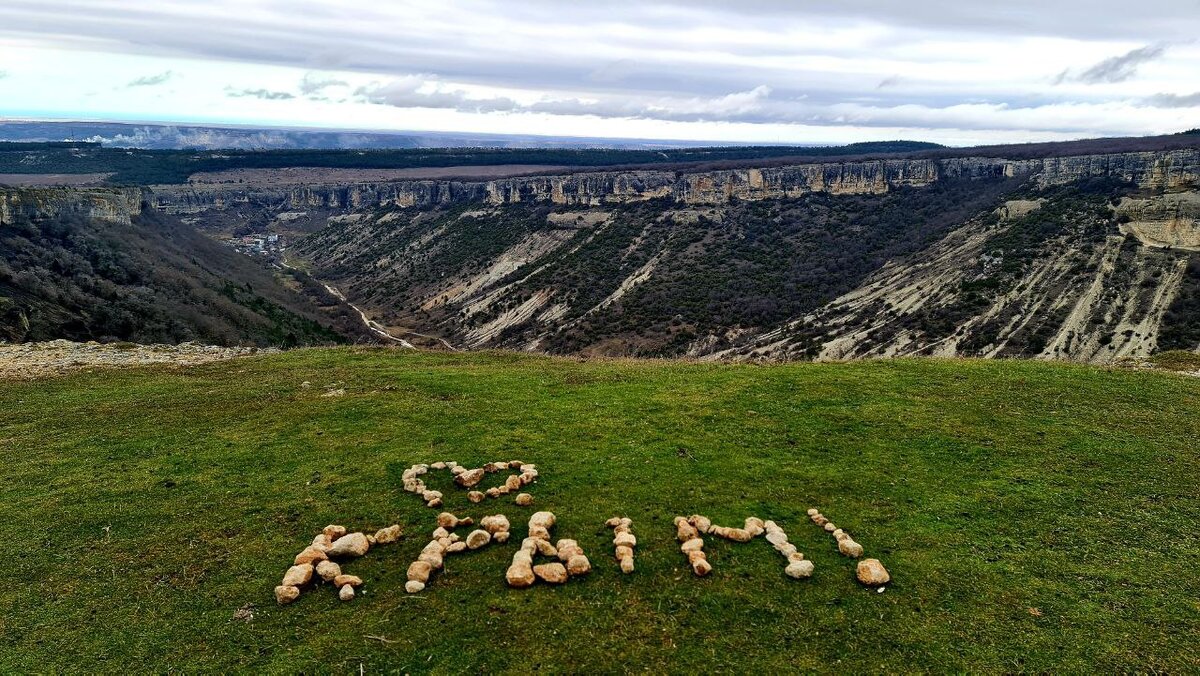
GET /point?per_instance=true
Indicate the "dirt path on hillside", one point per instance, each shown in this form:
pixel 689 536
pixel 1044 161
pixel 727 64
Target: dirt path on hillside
pixel 374 326
pixel 371 324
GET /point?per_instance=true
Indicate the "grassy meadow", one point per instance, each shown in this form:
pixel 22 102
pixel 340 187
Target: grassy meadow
pixel 1034 516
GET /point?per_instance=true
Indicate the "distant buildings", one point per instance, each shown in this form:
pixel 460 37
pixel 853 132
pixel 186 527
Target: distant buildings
pixel 270 246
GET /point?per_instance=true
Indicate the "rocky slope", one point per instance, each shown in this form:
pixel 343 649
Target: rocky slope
pixel 639 278
pixel 91 265
pixel 1059 285
pixel 1167 221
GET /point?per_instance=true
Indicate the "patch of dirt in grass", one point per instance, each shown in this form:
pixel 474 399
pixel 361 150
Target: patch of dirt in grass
pixel 1178 361
pixel 27 361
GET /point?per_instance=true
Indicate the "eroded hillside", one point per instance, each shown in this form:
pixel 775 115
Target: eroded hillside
pixel 92 265
pixel 651 277
pixel 1085 258
pixel 1051 275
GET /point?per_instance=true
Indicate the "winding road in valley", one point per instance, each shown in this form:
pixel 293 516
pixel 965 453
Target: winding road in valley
pixel 371 324
pixel 374 326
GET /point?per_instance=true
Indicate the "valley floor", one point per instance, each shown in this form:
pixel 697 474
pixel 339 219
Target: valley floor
pixel 1034 516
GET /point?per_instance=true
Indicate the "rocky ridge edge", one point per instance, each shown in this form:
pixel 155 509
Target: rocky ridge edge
pixel 1171 170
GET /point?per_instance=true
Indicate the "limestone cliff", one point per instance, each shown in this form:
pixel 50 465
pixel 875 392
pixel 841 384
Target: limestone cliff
pixel 1167 170
pixel 1169 221
pixel 33 204
pixel 1172 170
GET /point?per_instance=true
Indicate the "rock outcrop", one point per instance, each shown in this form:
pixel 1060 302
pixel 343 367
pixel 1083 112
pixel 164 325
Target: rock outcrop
pixel 35 204
pixel 1163 221
pixel 1171 170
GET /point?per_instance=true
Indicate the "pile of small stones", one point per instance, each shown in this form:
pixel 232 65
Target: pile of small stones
pixel 870 571
pixel 315 564
pixel 688 531
pixel 797 566
pixel 444 543
pixel 470 478
pixel 751 528
pixel 413 484
pixel 497 525
pixel 846 545
pixel 692 545
pixel 315 561
pixel 623 540
pixel 571 560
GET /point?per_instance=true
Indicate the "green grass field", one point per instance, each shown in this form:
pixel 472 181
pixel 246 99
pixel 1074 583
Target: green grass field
pixel 1034 516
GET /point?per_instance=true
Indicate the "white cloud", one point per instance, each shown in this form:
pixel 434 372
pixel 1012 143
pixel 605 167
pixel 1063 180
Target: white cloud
pixel 417 91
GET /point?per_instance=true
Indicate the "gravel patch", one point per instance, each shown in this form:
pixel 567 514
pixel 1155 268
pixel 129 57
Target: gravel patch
pixel 26 361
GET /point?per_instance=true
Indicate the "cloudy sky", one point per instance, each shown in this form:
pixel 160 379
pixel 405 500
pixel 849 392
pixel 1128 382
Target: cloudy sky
pixel 819 71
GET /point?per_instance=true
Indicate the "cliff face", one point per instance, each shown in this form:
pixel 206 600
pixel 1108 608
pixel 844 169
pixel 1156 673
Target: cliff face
pixel 584 189
pixel 716 187
pixel 1169 170
pixel 1165 221
pixel 198 199
pixel 1173 170
pixel 34 204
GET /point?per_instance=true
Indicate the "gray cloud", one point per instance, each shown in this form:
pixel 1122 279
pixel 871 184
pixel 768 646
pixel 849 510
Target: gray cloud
pixel 760 105
pixel 312 84
pixel 259 94
pixel 152 80
pixel 890 81
pixel 1117 68
pixel 746 106
pixel 1175 100
pixel 615 71
pixel 316 34
pixel 3 74
pixel 1097 19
